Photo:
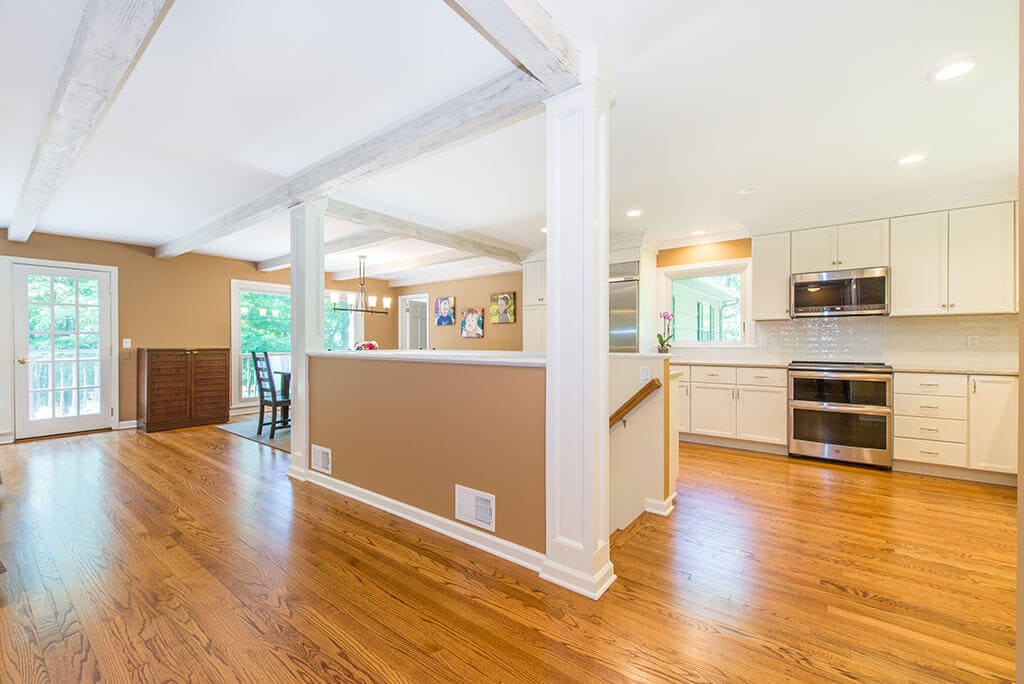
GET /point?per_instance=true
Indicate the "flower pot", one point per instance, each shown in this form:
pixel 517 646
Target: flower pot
pixel 663 350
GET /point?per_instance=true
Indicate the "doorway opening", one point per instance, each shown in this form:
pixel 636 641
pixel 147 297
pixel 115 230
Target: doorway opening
pixel 413 315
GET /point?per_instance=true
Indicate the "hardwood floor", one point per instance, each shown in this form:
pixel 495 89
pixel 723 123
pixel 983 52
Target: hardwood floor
pixel 190 555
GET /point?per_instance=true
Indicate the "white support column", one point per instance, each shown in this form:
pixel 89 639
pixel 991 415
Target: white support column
pixel 307 222
pixel 577 343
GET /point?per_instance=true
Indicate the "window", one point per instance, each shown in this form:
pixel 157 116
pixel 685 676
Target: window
pixel 709 303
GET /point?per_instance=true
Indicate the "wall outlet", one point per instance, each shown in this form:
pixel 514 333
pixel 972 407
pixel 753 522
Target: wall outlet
pixel 645 374
pixel 973 341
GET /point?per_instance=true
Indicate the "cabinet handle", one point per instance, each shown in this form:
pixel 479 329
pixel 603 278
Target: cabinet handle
pixel 974 386
pixel 928 453
pixel 760 377
pixel 924 429
pixel 929 384
pixel 840 263
pixel 933 408
pixel 951 305
pixel 943 305
pixel 712 375
pixel 540 299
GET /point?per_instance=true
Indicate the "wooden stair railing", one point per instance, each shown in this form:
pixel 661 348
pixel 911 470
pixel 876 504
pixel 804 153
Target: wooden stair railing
pixel 634 401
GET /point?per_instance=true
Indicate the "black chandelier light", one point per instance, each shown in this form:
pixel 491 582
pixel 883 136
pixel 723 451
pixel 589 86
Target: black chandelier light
pixel 361 302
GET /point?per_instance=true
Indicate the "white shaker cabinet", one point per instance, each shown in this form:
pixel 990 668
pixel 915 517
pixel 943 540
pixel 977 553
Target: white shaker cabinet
pixel 992 423
pixel 535 283
pixel 683 407
pixel 770 255
pixel 839 248
pixel 981 259
pixel 813 250
pixel 713 409
pixel 758 413
pixel 917 276
pixel 535 328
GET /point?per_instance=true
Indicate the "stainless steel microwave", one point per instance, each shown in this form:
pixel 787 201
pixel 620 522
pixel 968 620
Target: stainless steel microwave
pixel 858 292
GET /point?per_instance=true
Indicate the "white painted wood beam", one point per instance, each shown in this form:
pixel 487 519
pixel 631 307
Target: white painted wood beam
pixel 111 37
pixel 471 113
pixel 417 231
pixel 402 265
pixel 526 34
pixel 345 243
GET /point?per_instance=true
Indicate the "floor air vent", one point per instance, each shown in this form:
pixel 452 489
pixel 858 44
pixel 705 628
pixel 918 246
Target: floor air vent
pixel 474 507
pixel 320 459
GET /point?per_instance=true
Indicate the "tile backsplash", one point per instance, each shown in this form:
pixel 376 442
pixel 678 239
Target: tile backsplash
pixel 933 342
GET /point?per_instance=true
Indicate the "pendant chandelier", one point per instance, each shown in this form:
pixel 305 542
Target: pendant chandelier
pixel 361 302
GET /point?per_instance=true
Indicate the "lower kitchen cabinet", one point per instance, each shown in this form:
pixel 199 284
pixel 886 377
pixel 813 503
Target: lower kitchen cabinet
pixel 713 410
pixel 761 414
pixel 535 328
pixel 992 423
pixel 683 410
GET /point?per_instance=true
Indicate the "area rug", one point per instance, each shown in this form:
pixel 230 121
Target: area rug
pixel 282 440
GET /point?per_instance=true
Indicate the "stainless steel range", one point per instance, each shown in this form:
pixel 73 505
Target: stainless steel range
pixel 841 411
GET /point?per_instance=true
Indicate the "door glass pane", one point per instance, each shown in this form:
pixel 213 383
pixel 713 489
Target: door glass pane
pixel 88 346
pixel 64 406
pixel 88 291
pixel 41 405
pixel 64 290
pixel 89 402
pixel 64 346
pixel 39 288
pixel 89 318
pixel 39 318
pixel 64 318
pixel 64 374
pixel 39 376
pixel 39 347
pixel 88 373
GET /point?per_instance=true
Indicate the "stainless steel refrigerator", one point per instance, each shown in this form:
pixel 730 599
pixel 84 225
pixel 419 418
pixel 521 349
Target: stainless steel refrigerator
pixel 623 307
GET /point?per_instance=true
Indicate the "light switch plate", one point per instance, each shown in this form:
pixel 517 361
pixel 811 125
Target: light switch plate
pixel 126 343
pixel 645 374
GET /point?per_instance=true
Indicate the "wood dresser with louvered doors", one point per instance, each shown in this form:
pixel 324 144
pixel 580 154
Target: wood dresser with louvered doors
pixel 183 387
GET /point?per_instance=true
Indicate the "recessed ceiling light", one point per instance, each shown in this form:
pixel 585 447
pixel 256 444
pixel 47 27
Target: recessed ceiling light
pixel 633 213
pixel 698 232
pixel 748 190
pixel 947 72
pixel 909 159
pixel 543 230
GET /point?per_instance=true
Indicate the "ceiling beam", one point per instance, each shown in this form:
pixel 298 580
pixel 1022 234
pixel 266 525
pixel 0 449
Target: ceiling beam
pixel 345 243
pixel 475 111
pixel 526 34
pixel 110 39
pixel 403 265
pixel 417 231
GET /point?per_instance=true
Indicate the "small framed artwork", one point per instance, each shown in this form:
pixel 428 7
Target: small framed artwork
pixel 503 307
pixel 444 311
pixel 473 323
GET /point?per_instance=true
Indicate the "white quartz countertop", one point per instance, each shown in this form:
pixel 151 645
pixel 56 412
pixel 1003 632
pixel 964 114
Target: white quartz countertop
pixel 471 358
pixel 737 364
pixel 954 371
pixel 959 370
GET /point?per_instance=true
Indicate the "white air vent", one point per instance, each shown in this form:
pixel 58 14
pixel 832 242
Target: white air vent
pixel 320 459
pixel 474 507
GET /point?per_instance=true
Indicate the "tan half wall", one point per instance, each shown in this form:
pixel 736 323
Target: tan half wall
pixel 411 431
pixel 711 251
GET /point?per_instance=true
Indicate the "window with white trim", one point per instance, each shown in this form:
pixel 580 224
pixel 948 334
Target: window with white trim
pixel 710 304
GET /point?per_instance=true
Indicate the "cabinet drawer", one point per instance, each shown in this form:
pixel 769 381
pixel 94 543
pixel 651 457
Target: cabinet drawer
pixel 935 429
pixel 925 451
pixel 682 373
pixel 719 374
pixel 766 377
pixel 931 407
pixel 930 383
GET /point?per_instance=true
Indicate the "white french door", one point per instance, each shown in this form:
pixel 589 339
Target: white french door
pixel 62 346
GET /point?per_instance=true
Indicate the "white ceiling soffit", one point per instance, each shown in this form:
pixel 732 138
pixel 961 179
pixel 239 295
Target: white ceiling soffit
pixel 472 268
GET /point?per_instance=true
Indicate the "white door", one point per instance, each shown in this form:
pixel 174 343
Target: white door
pixel 63 350
pixel 414 323
pixel 771 277
pixel 981 259
pixel 761 414
pixel 813 250
pixel 535 328
pixel 713 409
pixel 863 245
pixel 683 407
pixel 992 423
pixel 918 269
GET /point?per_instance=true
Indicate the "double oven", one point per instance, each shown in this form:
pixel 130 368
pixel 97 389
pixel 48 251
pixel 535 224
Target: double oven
pixel 841 412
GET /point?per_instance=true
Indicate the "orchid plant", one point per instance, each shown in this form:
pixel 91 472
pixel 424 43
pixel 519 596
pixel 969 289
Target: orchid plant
pixel 664 336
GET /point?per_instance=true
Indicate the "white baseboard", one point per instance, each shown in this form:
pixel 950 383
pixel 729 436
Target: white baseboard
pixel 954 473
pixel 298 473
pixel 502 548
pixel 243 410
pixel 742 444
pixel 591 586
pixel 6 437
pixel 127 425
pixel 659 507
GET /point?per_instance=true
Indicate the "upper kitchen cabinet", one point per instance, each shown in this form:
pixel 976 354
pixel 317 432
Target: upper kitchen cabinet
pixel 535 283
pixel 770 254
pixel 834 248
pixel 981 259
pixel 955 262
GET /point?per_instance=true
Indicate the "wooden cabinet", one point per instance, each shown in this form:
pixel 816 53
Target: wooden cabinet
pixel 761 414
pixel 713 409
pixel 855 245
pixel 535 328
pixel 992 423
pixel 770 256
pixel 182 387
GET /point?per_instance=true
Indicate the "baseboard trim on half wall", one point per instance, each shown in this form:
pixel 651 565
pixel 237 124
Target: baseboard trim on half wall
pixel 128 425
pixel 6 437
pixel 496 546
pixel 659 507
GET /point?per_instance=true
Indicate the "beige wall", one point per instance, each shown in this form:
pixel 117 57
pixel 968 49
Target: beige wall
pixel 712 251
pixel 472 292
pixel 415 430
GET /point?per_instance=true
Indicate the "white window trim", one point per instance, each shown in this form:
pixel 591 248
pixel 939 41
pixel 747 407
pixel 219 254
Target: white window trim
pixel 743 266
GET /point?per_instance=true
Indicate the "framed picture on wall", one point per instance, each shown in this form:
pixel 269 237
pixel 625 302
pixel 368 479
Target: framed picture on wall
pixel 503 307
pixel 473 323
pixel 444 311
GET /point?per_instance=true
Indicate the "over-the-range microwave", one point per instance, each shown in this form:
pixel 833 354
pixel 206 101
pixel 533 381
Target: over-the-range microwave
pixel 856 292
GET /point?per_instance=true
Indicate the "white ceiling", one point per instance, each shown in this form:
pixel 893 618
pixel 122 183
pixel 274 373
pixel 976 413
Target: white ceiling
pixel 812 101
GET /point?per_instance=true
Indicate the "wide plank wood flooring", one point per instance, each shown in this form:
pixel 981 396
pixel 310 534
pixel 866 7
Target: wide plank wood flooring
pixel 190 556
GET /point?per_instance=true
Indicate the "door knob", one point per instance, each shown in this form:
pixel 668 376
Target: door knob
pixel 22 360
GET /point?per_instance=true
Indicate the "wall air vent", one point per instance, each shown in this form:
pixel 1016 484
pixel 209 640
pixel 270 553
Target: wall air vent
pixel 474 507
pixel 320 459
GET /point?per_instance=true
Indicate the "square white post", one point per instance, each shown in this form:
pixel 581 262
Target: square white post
pixel 307 276
pixel 577 340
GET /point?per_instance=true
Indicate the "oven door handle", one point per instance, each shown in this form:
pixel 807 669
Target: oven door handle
pixel 841 408
pixel 841 375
